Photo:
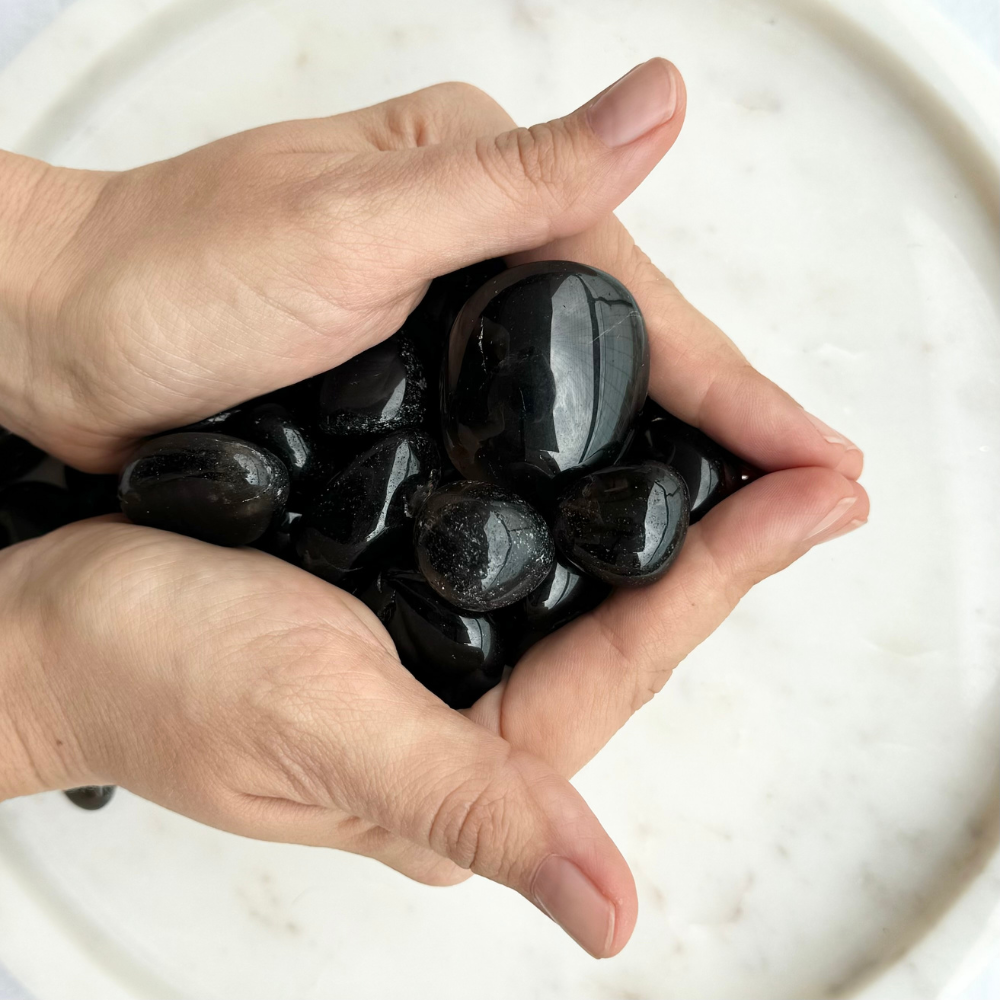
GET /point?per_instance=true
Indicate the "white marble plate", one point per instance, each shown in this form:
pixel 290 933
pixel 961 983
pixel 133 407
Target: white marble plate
pixel 810 808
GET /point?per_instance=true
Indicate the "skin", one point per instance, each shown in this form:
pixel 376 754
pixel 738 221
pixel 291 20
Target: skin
pixel 241 691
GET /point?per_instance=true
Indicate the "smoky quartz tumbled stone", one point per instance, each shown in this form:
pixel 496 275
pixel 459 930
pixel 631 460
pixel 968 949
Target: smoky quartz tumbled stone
pixel 456 654
pixel 546 371
pixel 481 547
pixel 710 472
pixel 209 486
pixel 91 797
pixel 561 597
pixel 381 390
pixel 17 456
pixel 272 426
pixel 363 516
pixel 623 525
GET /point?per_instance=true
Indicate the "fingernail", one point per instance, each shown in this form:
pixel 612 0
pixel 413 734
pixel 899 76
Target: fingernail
pixel 563 893
pixel 845 530
pixel 841 508
pixel 636 104
pixel 830 435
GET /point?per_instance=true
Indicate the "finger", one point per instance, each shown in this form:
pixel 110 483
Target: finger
pixel 281 820
pixel 698 373
pixel 456 203
pixel 608 664
pixel 402 761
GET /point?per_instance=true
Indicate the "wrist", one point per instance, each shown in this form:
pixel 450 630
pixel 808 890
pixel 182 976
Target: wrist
pixel 41 208
pixel 38 751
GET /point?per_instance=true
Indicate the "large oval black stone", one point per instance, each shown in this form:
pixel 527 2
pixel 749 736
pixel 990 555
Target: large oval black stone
pixel 17 456
pixel 546 371
pixel 710 472
pixel 209 486
pixel 561 597
pixel 457 655
pixel 623 525
pixel 363 516
pixel 381 390
pixel 28 510
pixel 481 547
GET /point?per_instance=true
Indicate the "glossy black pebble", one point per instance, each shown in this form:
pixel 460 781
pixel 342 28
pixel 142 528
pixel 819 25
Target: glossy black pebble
pixel 457 655
pixel 481 547
pixel 272 426
pixel 91 797
pixel 429 325
pixel 381 390
pixel 279 539
pixel 92 494
pixel 28 510
pixel 623 525
pixel 710 472
pixel 363 516
pixel 17 456
pixel 209 486
pixel 561 597
pixel 546 372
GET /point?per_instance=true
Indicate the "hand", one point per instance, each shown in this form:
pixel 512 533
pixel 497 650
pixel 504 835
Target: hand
pixel 242 692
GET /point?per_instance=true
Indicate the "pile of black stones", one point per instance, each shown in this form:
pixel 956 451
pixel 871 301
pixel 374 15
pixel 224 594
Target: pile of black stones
pixel 483 477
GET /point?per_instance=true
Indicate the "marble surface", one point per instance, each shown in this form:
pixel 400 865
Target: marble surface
pixel 810 807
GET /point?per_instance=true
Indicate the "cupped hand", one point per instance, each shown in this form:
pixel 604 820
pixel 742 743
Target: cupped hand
pixel 247 694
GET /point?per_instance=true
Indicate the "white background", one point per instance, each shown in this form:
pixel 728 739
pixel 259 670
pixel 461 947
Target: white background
pixel 20 20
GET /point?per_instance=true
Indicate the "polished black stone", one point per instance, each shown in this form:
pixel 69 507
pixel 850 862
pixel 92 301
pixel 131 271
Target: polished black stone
pixel 381 390
pixel 363 516
pixel 91 797
pixel 28 510
pixel 623 525
pixel 17 456
pixel 457 655
pixel 481 547
pixel 217 423
pixel 710 472
pixel 92 494
pixel 279 539
pixel 561 597
pixel 546 371
pixel 429 325
pixel 272 426
pixel 210 486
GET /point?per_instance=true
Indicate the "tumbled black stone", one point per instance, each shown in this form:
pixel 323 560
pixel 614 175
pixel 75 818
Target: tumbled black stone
pixel 623 525
pixel 481 547
pixel 272 426
pixel 710 472
pixel 210 486
pixel 92 494
pixel 381 390
pixel 457 655
pixel 429 325
pixel 17 456
pixel 216 423
pixel 91 797
pixel 363 516
pixel 546 371
pixel 279 539
pixel 561 597
pixel 29 510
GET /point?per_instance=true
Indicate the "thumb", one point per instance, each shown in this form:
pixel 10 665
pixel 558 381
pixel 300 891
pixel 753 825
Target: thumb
pixel 505 193
pixel 445 783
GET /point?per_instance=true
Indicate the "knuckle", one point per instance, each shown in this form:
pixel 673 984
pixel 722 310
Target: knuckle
pixel 472 824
